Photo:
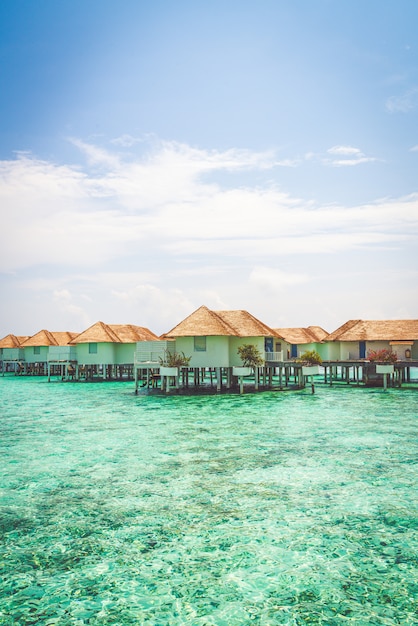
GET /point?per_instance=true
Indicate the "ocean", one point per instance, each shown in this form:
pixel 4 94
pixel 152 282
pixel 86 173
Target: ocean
pixel 263 508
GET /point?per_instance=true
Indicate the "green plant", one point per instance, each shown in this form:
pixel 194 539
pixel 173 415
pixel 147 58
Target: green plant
pixel 382 356
pixel 310 357
pixel 174 359
pixel 250 355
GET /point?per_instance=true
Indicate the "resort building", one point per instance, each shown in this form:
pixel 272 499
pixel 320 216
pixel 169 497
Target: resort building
pixel 356 338
pixel 11 352
pixel 209 341
pixel 296 341
pixel 212 338
pixel 205 349
pixel 37 349
pixel 107 350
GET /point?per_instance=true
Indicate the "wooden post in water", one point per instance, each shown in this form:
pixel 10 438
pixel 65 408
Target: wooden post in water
pixel 218 379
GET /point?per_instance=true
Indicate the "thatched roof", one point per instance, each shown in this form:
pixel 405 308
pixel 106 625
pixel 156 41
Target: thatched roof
pixel 114 333
pixel 63 338
pixel 318 332
pixel 97 333
pixel 246 325
pixel 46 338
pixel 128 333
pixel 311 334
pixel 12 341
pixel 376 330
pixel 204 322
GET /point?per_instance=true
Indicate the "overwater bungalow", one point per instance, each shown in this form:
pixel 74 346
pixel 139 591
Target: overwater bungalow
pixel 11 352
pixel 350 347
pixel 296 341
pixel 210 340
pixel 37 350
pixel 356 338
pixel 107 350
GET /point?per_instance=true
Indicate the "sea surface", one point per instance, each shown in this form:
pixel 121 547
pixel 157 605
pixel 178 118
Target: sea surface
pixel 265 508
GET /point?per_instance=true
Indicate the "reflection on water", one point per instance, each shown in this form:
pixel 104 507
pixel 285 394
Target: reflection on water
pixel 271 508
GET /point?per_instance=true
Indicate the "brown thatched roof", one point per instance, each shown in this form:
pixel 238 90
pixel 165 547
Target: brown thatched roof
pixel 12 341
pixel 311 334
pixel 114 333
pixel 246 325
pixel 128 333
pixel 97 333
pixel 42 338
pixel 376 330
pixel 204 322
pixel 63 338
pixel 319 332
pixel 48 338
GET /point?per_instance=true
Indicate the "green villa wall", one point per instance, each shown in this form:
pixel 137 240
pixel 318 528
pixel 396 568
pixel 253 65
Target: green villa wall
pixel 216 354
pixel 124 353
pixel 31 357
pixel 105 354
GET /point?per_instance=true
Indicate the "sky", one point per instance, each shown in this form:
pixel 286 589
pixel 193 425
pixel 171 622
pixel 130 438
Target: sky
pixel 241 154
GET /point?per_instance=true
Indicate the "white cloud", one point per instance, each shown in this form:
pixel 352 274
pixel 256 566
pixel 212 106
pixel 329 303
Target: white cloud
pixel 159 208
pixel 404 102
pixel 348 156
pixel 340 156
pixel 126 141
pixel 275 279
pixel 344 150
pixel 96 155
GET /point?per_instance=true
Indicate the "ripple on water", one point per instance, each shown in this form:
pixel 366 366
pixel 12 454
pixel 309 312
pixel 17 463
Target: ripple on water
pixel 257 509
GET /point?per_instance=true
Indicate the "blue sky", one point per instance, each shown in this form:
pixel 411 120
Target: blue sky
pixel 156 156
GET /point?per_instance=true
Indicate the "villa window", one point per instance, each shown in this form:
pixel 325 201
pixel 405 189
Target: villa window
pixel 200 344
pixel 92 348
pixel 37 350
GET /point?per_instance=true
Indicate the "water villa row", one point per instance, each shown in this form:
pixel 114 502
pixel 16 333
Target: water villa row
pixel 202 352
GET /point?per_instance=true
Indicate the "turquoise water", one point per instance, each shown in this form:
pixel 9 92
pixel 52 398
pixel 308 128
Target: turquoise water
pixel 270 508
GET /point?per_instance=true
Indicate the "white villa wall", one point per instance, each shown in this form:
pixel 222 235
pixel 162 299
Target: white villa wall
pixel 105 354
pixel 345 350
pixel 398 349
pixel 331 351
pixel 378 345
pixel 349 350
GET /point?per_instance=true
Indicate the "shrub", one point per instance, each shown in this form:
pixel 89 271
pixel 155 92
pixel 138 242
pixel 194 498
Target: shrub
pixel 382 356
pixel 174 359
pixel 250 355
pixel 310 357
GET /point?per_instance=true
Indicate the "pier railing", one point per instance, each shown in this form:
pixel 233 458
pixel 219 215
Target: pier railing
pixel 145 357
pixel 152 352
pixel 273 357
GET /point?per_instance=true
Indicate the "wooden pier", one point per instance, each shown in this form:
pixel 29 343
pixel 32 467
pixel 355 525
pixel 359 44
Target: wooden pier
pixel 151 376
